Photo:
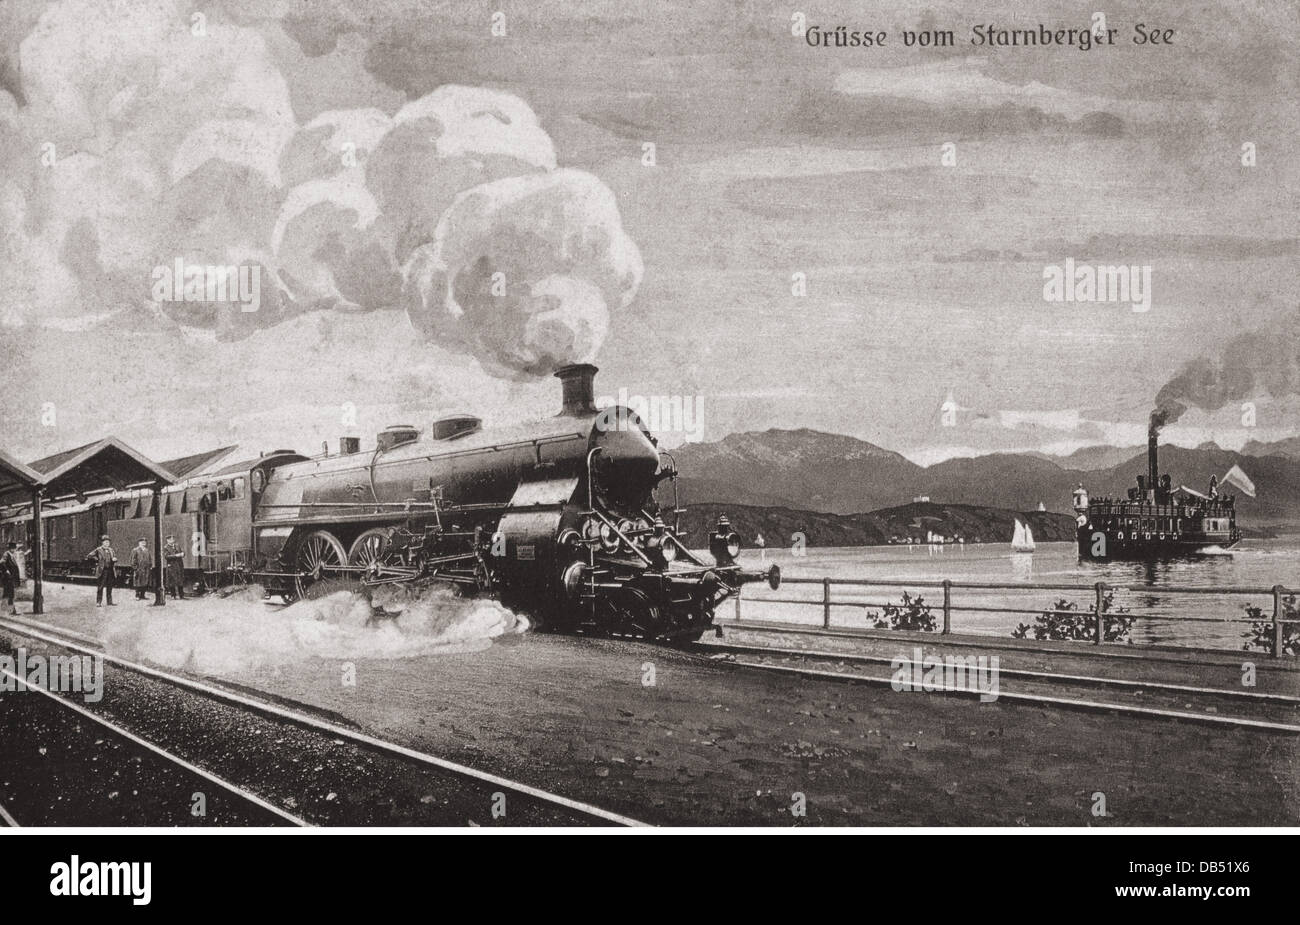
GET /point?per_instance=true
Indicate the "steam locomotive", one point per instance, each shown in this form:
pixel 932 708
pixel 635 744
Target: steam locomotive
pixel 557 518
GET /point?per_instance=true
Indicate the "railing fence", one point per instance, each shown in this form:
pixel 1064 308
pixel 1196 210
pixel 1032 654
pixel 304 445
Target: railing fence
pixel 1098 589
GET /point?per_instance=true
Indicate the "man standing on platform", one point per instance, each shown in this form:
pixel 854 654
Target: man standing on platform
pixel 141 562
pixel 9 574
pixel 175 558
pixel 105 563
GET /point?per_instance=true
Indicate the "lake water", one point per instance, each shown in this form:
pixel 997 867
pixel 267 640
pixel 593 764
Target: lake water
pixel 1162 615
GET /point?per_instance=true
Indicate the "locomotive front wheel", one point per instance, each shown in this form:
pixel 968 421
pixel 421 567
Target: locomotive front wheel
pixel 319 553
pixel 633 612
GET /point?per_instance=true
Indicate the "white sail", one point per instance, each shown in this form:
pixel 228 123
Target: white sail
pixel 1023 539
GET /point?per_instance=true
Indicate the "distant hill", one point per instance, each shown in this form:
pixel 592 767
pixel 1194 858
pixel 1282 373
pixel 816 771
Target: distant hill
pixel 1289 447
pixel 811 471
pixel 801 469
pixel 916 521
pixel 1096 457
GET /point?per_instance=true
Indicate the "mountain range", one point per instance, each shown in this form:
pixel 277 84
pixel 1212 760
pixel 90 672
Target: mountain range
pixel 914 521
pixel 811 471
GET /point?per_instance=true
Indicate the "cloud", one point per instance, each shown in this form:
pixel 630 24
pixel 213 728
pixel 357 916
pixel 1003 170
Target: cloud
pixel 964 83
pixel 170 145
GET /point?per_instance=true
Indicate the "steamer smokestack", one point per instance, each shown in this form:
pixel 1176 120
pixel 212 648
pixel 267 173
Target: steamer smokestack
pixel 579 392
pixel 1153 463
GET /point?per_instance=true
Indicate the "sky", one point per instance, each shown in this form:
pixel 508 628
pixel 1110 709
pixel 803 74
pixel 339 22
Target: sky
pixel 441 215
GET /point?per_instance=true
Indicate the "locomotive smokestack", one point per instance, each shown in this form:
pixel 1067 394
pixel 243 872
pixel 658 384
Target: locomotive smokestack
pixel 1153 464
pixel 579 391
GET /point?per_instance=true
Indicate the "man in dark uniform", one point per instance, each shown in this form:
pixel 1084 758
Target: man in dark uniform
pixel 141 562
pixel 175 558
pixel 105 563
pixel 9 576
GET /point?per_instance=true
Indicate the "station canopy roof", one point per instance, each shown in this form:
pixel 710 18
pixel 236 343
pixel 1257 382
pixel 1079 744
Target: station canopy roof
pixel 105 465
pixel 17 480
pixel 198 463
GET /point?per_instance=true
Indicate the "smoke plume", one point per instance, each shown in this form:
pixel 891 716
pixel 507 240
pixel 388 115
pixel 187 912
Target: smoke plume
pixel 158 144
pixel 1250 364
pixel 523 271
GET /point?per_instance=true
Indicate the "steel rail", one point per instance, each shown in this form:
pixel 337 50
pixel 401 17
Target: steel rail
pixel 44 633
pixel 240 792
pixel 1261 696
pixel 1090 706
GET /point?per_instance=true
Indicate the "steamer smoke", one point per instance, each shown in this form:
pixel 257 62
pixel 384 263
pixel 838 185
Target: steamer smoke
pixel 1250 364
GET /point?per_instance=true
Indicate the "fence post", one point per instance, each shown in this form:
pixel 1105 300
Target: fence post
pixel 1277 621
pixel 738 604
pixel 826 603
pixel 1101 621
pixel 947 606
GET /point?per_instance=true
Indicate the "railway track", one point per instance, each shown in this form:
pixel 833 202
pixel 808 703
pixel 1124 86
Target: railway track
pixel 83 764
pixel 465 791
pixel 1270 712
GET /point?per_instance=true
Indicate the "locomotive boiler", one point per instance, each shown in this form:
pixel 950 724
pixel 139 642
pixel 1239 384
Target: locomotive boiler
pixel 558 518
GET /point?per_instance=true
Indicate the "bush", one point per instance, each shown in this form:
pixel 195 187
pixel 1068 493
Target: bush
pixel 1260 634
pixel 912 613
pixel 1071 623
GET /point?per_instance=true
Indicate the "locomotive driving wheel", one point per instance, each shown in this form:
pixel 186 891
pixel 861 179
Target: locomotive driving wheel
pixel 319 555
pixel 369 547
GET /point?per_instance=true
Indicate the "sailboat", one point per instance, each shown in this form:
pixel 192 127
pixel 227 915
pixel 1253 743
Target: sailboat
pixel 1023 540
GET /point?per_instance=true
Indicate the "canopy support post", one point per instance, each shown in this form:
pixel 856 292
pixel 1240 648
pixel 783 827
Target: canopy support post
pixel 159 597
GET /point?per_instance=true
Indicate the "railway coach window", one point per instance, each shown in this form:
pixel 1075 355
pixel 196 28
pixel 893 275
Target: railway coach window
pixel 238 488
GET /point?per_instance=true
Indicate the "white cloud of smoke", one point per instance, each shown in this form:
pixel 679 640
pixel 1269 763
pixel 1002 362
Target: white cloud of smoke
pixel 240 634
pixel 136 142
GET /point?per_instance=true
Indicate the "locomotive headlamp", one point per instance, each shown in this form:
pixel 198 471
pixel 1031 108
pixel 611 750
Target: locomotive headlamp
pixel 660 544
pixel 724 543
